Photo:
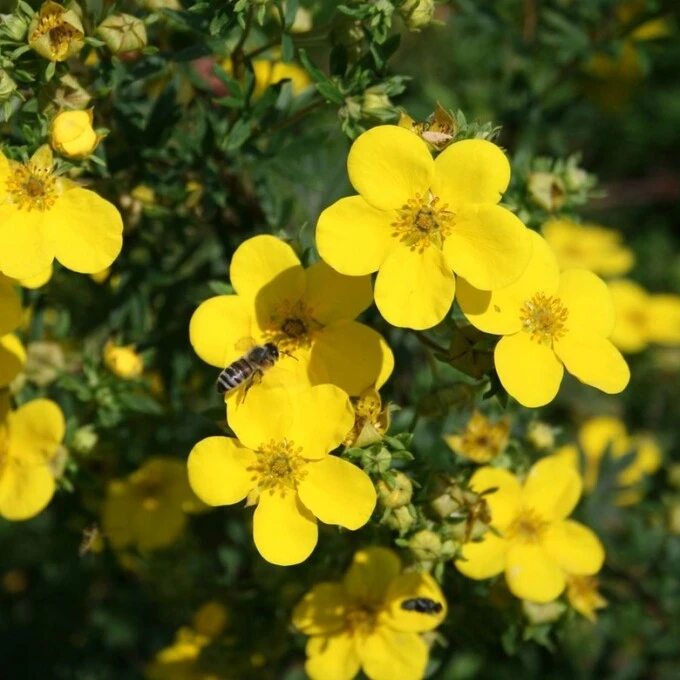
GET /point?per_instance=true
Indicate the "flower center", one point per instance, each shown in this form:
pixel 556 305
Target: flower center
pixel 527 527
pixel 291 326
pixel 361 619
pixel 32 187
pixel 60 32
pixel 544 317
pixel 422 222
pixel 279 466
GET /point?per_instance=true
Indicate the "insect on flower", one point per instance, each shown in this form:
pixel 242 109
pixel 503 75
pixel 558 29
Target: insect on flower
pixel 422 605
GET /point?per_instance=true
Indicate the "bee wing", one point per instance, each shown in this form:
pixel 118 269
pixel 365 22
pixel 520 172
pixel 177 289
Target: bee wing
pixel 245 344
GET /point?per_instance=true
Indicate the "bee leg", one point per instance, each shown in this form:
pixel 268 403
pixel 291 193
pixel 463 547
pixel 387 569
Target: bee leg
pixel 255 379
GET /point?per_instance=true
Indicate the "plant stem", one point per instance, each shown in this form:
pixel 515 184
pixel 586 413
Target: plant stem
pixel 237 53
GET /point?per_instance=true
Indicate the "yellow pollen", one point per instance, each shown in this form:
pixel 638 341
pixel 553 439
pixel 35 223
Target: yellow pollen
pixel 279 466
pixel 361 619
pixel 32 188
pixel 291 326
pixel 423 222
pixel 527 527
pixel 544 317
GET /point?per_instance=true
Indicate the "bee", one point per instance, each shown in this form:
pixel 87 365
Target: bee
pixel 422 605
pixel 250 367
pixel 90 535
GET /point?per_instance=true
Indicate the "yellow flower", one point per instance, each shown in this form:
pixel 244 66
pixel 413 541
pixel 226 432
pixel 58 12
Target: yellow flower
pixel 536 546
pixel 30 438
pixel 361 623
pixel 12 351
pixel 549 321
pixel 180 660
pixel 371 420
pixel 38 280
pixel 307 313
pixel 56 33
pixel 588 246
pixel 72 134
pixel 123 361
pixel 43 216
pixel 416 219
pixel 270 72
pixel 481 441
pixel 211 619
pixel 281 461
pixel 584 596
pixel 603 434
pixel 148 508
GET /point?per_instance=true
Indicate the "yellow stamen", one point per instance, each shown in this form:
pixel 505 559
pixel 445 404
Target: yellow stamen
pixel 61 34
pixel 279 466
pixel 291 326
pixel 32 187
pixel 422 223
pixel 361 620
pixel 544 317
pixel 527 527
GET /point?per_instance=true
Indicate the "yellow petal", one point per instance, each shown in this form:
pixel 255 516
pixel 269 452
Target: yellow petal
pixel 218 329
pixel 664 319
pixel 39 280
pixel 598 434
pixel 25 250
pixel 370 574
pixel 483 559
pixel 498 311
pixel 504 502
pixel 36 430
pixel 594 361
pixel 285 532
pixel 574 547
pixel 4 175
pixel 158 527
pixel 488 246
pixel 633 316
pixel 413 289
pixel 586 296
pixel 118 517
pixel 354 237
pixel 388 165
pixel 532 574
pixel 552 488
pixel 12 358
pixel 527 369
pixel 387 654
pixel 218 470
pixel 10 306
pixel 86 230
pixel 322 610
pixel 332 658
pixel 338 492
pixel 25 490
pixel 405 587
pixel 351 356
pixel 471 171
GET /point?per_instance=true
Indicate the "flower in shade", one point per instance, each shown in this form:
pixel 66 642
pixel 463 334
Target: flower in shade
pixel 534 542
pixel 643 318
pixel 148 508
pixel 271 72
pixel 416 221
pixel 44 216
pixel 123 361
pixel 605 434
pixel 584 596
pixel 482 440
pixel 30 439
pixel 12 351
pixel 308 313
pixel 549 321
pixel 360 623
pixel 588 246
pixel 281 462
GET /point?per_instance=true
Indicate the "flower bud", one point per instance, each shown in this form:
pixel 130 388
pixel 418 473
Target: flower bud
pixel 123 361
pixel 13 27
pixel 44 362
pixel 426 546
pixel 55 32
pixel 397 494
pixel 547 190
pixel 376 462
pixel 541 436
pixel 417 14
pixel 400 519
pixel 72 134
pixel 85 438
pixel 122 33
pixel 377 105
pixel 7 86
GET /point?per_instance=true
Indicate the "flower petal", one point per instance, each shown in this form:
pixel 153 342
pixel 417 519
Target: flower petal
pixel 527 369
pixel 25 490
pixel 483 559
pixel 332 657
pixel 25 250
pixel 322 610
pixel 388 165
pixel 407 586
pixel 499 311
pixel 414 289
pixel 504 501
pixel 352 356
pixel 338 492
pixel 12 358
pixel 36 430
pixel 218 470
pixel 664 319
pixel 471 171
pixel 586 296
pixel 354 237
pixel 574 547
pixel 10 306
pixel 370 574
pixel 594 361
pixel 269 416
pixel 157 527
pixel 218 329
pixel 86 230
pixel 285 532
pixel 532 574
pixel 634 317
pixel 552 487
pixel 39 280
pixel 387 654
pixel 488 246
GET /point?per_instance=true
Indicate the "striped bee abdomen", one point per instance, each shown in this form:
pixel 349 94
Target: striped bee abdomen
pixel 234 375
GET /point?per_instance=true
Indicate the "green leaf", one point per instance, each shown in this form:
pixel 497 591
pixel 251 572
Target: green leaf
pixel 330 93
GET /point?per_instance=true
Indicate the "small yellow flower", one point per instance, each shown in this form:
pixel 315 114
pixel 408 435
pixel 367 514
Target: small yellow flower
pixel 417 220
pixel 180 660
pixel 56 33
pixel 148 508
pixel 307 313
pixel 536 546
pixel 270 72
pixel 12 351
pixel 549 321
pixel 371 420
pixel 481 441
pixel 72 134
pixel 583 596
pixel 43 216
pixel 281 461
pixel 123 361
pixel 588 246
pixel 30 438
pixel 360 623
pixel 211 619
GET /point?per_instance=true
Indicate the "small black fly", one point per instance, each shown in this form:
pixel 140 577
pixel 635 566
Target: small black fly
pixel 422 605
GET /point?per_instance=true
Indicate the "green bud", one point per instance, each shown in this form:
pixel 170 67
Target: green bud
pixel 400 519
pixel 13 27
pixel 417 14
pixel 377 105
pixel 7 86
pixel 397 494
pixel 123 33
pixel 376 462
pixel 426 546
pixel 84 439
